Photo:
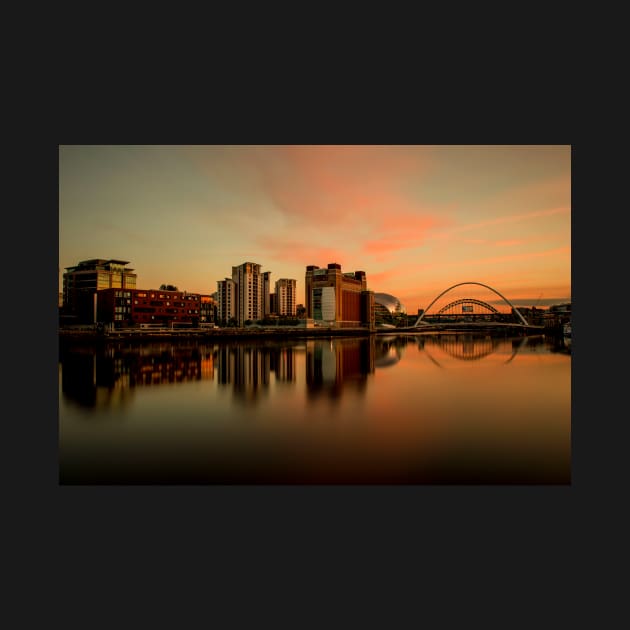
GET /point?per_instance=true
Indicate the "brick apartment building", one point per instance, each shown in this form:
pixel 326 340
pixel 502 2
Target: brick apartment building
pixel 132 307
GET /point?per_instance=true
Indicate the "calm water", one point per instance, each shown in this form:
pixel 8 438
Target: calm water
pixel 402 409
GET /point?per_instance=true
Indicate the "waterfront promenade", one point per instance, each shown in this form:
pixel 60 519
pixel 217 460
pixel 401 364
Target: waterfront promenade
pixel 142 334
pixel 290 332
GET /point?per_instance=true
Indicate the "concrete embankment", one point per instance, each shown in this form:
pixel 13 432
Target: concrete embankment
pixel 212 334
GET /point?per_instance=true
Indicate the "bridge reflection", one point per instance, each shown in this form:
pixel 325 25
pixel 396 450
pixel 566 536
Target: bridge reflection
pixel 109 376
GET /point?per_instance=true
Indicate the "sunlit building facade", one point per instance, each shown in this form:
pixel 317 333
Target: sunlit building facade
pixel 285 296
pixel 226 300
pixel 249 292
pixel 135 307
pixel 338 299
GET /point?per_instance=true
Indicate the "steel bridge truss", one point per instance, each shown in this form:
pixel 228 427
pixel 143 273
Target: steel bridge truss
pixel 467 302
pixel 459 284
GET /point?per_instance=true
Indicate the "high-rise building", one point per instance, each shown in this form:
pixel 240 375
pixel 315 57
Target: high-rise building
pixel 338 299
pixel 249 292
pixel 226 299
pixel 285 296
pixel 81 283
pixel 266 291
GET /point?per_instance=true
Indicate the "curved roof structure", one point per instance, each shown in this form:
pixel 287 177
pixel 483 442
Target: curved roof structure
pixel 390 302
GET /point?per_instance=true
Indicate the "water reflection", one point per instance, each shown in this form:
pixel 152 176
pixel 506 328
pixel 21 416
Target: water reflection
pixel 467 347
pixel 108 376
pixel 248 368
pixel 389 351
pixel 332 366
pixel 382 409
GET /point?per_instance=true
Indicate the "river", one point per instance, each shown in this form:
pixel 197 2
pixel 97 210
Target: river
pixel 400 409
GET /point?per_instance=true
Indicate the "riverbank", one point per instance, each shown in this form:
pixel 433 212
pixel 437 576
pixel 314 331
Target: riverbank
pixel 275 333
pixel 209 334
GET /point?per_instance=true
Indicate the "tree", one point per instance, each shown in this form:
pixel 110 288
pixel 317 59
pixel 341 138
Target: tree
pixel 168 287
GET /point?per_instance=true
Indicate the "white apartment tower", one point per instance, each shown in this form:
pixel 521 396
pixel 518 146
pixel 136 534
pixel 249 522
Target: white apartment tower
pixel 249 292
pixel 226 299
pixel 285 296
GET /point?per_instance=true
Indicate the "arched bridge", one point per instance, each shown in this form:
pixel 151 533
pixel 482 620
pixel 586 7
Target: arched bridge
pixel 467 302
pixel 471 301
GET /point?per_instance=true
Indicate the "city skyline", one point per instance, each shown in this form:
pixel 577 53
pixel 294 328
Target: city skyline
pixel 415 219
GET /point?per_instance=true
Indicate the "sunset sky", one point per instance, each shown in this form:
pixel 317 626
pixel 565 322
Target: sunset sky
pixel 416 219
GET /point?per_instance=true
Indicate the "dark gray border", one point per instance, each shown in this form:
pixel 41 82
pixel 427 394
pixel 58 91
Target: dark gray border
pixel 99 548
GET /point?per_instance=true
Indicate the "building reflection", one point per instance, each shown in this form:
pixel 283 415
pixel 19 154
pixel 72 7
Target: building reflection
pixel 389 350
pixel 106 377
pixel 249 368
pixel 283 364
pixel 93 377
pixel 333 366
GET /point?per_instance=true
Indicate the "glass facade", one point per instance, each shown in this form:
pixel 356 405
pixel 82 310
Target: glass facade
pixel 324 304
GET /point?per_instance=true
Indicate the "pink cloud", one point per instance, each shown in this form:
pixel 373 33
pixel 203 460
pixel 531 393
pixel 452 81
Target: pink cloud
pixel 301 252
pixel 376 280
pixel 360 190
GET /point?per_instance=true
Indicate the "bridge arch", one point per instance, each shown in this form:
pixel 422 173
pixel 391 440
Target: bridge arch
pixel 485 305
pixel 459 284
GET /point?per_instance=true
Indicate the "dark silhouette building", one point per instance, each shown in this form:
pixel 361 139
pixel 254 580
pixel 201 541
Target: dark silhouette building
pixel 81 283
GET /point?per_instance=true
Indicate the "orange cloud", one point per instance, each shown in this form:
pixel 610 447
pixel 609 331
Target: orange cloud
pixel 300 252
pixel 501 259
pixel 361 190
pixel 376 281
pixel 516 218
